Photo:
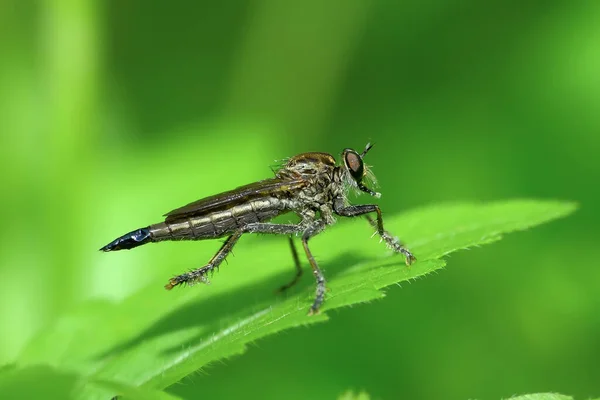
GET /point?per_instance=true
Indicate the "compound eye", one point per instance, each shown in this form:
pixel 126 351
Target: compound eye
pixel 354 164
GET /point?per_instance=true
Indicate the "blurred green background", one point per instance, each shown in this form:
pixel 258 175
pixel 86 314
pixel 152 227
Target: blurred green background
pixel 114 112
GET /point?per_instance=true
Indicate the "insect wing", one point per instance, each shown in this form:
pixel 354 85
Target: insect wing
pixel 221 201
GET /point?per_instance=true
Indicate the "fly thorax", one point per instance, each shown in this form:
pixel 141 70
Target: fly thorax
pixel 342 182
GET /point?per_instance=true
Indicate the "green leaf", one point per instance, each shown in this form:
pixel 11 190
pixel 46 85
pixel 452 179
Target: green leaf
pixel 44 382
pixel 350 395
pixel 154 338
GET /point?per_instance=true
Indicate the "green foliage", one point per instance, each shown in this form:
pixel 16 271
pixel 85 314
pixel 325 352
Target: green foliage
pixel 43 382
pixel 350 395
pixel 154 338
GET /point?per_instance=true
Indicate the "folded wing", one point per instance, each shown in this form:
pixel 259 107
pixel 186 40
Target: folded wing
pixel 276 187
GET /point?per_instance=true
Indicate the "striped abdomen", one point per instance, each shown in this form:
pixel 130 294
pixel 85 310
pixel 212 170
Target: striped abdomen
pixel 217 223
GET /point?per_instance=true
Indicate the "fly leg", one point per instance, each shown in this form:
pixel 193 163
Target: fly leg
pixel 298 267
pixel 199 274
pixel 391 241
pixel 312 230
pixel 267 227
pixel 309 231
pixel 281 229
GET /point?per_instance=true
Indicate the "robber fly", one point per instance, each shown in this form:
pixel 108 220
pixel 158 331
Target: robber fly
pixel 310 185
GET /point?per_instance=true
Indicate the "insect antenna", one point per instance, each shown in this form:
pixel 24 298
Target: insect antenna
pixel 366 150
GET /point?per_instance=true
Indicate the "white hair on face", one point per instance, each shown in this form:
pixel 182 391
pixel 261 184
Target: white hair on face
pixel 368 179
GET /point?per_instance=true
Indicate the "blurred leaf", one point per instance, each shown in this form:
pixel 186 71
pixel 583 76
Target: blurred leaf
pixel 43 382
pixel 350 395
pixel 155 338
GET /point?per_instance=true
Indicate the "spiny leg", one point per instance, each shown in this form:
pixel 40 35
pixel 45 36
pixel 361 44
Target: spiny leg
pixel 311 231
pixel 281 229
pixel 267 227
pixel 298 267
pixel 391 241
pixel 199 274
